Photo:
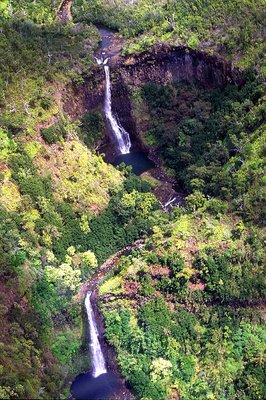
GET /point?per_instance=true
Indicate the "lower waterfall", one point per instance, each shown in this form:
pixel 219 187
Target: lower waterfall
pixel 97 358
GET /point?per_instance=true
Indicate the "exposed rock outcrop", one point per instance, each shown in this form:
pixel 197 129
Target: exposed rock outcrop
pixel 80 98
pixel 163 64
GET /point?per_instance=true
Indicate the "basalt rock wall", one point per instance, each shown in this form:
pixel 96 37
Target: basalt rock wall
pixel 121 105
pixel 168 64
pixel 78 99
pixel 87 96
pixel 162 65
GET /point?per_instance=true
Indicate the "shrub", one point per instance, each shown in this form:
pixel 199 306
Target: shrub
pixel 195 200
pixel 92 128
pixel 54 133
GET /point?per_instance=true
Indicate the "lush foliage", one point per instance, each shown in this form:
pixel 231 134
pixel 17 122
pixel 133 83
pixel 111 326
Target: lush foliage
pixel 37 11
pixel 35 59
pixel 210 24
pixel 54 133
pixel 91 128
pixel 52 239
pixel 184 312
pixel 211 140
pixel 52 190
pixel 182 315
pixel 193 294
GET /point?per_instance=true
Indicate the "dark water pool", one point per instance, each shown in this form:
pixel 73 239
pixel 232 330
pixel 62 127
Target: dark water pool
pixel 108 45
pixel 106 37
pixel 138 160
pixel 85 387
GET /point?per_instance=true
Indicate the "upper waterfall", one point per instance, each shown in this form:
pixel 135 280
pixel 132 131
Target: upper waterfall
pixel 97 358
pixel 121 135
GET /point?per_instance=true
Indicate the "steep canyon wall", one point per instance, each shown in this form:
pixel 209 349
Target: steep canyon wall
pixel 161 65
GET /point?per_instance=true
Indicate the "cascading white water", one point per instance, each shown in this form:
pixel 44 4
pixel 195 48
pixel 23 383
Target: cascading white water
pixel 121 135
pixel 97 358
pixel 168 205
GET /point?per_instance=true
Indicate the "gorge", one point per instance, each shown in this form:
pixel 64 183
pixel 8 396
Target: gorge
pixel 174 65
pixel 132 197
pixel 162 65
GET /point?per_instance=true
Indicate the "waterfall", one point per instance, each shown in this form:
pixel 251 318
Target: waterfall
pixel 168 205
pixel 121 135
pixel 97 358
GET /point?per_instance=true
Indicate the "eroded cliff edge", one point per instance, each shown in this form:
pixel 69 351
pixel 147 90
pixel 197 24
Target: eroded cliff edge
pixel 162 64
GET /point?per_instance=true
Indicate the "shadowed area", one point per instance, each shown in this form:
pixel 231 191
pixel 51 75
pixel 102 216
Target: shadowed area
pixel 85 387
pixel 138 160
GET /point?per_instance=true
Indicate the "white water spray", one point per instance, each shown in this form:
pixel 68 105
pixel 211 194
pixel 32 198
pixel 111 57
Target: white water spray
pixel 121 135
pixel 168 205
pixel 97 358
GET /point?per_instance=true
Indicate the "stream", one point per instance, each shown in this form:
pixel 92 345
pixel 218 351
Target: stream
pixel 99 384
pixel 137 160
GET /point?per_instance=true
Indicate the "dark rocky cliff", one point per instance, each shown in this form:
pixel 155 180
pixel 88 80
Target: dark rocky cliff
pixel 165 64
pixel 161 65
pixel 80 98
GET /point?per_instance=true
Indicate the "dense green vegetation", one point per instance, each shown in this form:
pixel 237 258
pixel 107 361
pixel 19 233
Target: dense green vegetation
pixel 213 141
pixel 57 221
pixel 213 24
pixel 50 245
pixel 185 312
pixel 36 11
pixel 36 61
pixel 91 128
pixel 182 312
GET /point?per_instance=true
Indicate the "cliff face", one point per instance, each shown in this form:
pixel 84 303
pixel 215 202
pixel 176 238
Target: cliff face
pixel 78 99
pixel 167 64
pixel 162 65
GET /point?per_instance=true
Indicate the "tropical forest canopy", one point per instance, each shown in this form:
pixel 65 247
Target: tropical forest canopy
pixel 186 312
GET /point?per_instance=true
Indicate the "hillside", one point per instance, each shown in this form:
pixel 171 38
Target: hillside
pixel 185 312
pixel 213 26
